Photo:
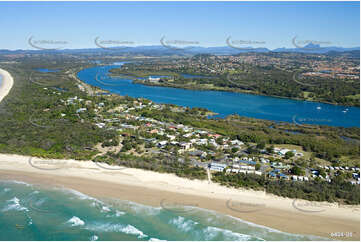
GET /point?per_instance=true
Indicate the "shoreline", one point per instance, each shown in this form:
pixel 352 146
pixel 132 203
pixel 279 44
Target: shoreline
pixel 162 189
pixel 6 83
pixel 220 90
pixel 239 91
pixel 227 91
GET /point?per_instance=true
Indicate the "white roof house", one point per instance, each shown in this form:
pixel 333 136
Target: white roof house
pixel 100 125
pixel 283 151
pixel 185 145
pixel 187 135
pixel 162 143
pixel 171 137
pixel 236 142
pixel 80 110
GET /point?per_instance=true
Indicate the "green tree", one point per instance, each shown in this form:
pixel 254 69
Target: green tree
pixel 288 155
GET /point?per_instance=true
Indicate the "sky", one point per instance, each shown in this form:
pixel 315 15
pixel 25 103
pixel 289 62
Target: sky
pixel 258 24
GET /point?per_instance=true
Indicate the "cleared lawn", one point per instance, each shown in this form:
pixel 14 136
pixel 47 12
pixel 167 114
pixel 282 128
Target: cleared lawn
pixel 306 155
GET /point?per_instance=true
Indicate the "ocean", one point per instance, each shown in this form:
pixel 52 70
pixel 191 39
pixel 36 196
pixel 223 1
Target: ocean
pixel 33 212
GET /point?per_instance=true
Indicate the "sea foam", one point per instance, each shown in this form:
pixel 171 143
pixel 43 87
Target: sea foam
pixel 14 204
pixel 109 227
pixel 212 233
pixel 94 238
pixel 183 224
pixel 75 221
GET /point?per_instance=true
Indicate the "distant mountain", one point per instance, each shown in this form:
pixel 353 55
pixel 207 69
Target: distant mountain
pixel 159 50
pixel 316 48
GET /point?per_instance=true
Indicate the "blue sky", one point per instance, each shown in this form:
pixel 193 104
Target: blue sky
pixel 208 23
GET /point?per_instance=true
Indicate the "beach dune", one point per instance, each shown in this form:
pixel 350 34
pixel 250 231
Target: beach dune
pixel 162 190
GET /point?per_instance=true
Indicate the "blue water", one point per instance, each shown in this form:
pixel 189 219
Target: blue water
pixel 31 212
pixel 46 70
pixel 226 103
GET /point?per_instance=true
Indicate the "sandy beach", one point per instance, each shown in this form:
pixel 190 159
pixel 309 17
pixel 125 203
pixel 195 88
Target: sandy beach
pixel 165 190
pixel 6 83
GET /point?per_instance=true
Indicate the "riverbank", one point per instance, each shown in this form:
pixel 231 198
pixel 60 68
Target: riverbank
pixel 224 89
pixel 163 190
pixel 244 104
pixel 205 87
pixel 6 83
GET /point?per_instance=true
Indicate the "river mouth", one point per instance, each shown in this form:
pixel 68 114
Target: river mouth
pixel 227 103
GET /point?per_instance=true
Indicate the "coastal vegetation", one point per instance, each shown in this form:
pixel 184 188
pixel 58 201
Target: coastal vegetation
pixel 53 115
pixel 235 74
pixel 336 191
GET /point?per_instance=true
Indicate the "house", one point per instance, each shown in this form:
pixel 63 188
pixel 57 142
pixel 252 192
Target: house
pixel 263 160
pixel 272 174
pixel 355 175
pixel 153 131
pixel 202 142
pixel 283 176
pixel 185 145
pixel 151 140
pixel 279 165
pixel 153 79
pixel 100 125
pixel 187 135
pixel 129 126
pixel 171 137
pixel 214 143
pixel 236 142
pixel 80 110
pixel 217 166
pixel 283 151
pixel 162 143
pixel 198 153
